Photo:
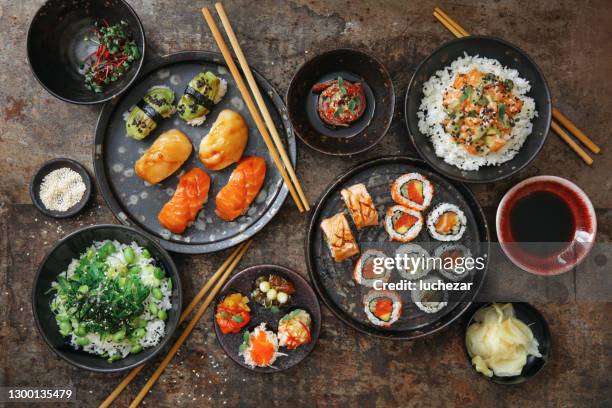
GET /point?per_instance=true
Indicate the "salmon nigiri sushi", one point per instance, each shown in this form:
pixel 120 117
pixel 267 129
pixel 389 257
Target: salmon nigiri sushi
pixel 190 195
pixel 243 186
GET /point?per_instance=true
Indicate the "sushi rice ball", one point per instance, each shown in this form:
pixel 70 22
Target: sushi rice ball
pixel 446 222
pixel 403 224
pixel 429 301
pixel 260 347
pixel 412 190
pixel 449 254
pixel 382 307
pixel 417 266
pixel 363 272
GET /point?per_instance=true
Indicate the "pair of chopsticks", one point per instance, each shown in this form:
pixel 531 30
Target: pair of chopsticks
pixel 283 163
pixel 218 279
pixel 559 120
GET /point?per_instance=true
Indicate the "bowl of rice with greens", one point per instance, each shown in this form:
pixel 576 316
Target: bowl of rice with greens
pixel 478 109
pixel 107 298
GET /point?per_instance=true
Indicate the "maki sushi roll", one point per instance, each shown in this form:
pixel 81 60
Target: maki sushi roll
pixel 446 222
pixel 204 91
pixel 363 272
pixel 260 347
pixel 360 206
pixel 155 105
pixel 403 224
pixel 453 260
pixel 417 264
pixel 294 329
pixel 429 300
pixel 412 190
pixel 339 237
pixel 382 307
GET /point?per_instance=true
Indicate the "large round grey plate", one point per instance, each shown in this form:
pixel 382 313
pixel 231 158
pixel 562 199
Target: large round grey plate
pixel 333 280
pixel 137 204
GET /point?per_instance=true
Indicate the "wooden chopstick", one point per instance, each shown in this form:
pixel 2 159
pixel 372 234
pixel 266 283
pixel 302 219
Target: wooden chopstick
pixel 250 105
pixel 192 323
pixel 459 32
pixel 246 69
pixel 563 120
pixel 579 150
pixel 134 372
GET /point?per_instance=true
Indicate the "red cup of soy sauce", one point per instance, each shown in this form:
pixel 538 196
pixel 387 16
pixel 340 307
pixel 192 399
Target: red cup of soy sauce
pixel 546 225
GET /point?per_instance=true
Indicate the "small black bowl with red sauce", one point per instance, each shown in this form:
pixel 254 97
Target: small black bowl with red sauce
pixel 341 102
pixel 546 225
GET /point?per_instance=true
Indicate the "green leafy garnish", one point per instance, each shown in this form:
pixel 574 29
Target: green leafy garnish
pixel 237 318
pixel 341 86
pixel 466 94
pixel 502 111
pixel 274 309
pixel 339 111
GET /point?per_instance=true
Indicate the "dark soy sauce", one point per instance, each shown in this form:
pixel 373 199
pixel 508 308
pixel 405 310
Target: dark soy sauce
pixel 543 223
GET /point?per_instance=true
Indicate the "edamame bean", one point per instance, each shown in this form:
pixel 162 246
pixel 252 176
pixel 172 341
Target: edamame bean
pixel 162 314
pixel 134 270
pixel 121 282
pixel 129 255
pixel 136 348
pixel 159 273
pixel 120 335
pixel 153 308
pixel 157 293
pixel 138 333
pixel 65 327
pixel 146 254
pixel 81 330
pixel 82 341
pixel 63 317
pixel 83 289
pixel 169 283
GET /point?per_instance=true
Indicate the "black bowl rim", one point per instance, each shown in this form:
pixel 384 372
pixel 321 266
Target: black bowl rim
pixel 79 206
pixel 177 284
pixel 548 118
pixel 294 275
pixel 382 70
pixel 103 184
pixel 316 209
pixel 141 33
pixel 519 379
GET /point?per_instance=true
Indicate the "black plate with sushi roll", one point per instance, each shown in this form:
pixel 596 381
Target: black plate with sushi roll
pixel 164 123
pixel 267 318
pixel 425 215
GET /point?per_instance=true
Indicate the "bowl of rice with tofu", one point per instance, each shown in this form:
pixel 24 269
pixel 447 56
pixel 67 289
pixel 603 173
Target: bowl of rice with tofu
pixel 478 109
pixel 107 298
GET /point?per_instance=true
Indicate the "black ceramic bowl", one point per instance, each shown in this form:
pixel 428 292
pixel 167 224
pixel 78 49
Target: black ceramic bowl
pixel 536 322
pixel 303 298
pixel 57 46
pixel 354 66
pixel 57 260
pixel 509 56
pixel 47 168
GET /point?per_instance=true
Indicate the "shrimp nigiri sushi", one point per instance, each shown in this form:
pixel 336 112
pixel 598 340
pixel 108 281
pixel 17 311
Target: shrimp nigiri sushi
pixel 190 195
pixel 244 184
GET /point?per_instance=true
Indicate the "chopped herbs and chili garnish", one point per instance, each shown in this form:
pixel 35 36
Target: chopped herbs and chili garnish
pixel 480 111
pixel 115 53
pixel 340 102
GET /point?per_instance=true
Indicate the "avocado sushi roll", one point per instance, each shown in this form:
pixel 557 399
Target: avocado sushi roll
pixel 412 190
pixel 403 224
pixel 417 264
pixel 204 91
pixel 155 105
pixel 453 258
pixel 446 222
pixel 382 307
pixel 429 300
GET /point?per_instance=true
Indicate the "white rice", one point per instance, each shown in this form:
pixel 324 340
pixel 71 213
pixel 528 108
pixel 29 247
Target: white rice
pixel 431 113
pixel 155 329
